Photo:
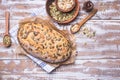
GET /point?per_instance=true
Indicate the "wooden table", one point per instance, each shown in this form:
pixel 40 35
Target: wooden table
pixel 99 59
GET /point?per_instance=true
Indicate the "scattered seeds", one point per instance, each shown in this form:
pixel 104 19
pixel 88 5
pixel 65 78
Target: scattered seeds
pixel 87 32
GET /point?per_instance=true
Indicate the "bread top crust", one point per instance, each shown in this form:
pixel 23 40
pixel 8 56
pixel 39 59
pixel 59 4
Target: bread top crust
pixel 44 41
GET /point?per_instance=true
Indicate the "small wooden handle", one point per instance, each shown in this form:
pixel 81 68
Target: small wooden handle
pixel 7 15
pixel 75 29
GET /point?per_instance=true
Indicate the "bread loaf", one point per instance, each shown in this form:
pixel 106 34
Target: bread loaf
pixel 43 40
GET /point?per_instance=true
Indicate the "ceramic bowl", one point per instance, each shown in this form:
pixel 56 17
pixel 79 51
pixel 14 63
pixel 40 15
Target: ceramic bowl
pixel 76 11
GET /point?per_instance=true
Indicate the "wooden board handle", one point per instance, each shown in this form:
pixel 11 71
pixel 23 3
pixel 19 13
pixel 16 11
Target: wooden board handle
pixel 7 15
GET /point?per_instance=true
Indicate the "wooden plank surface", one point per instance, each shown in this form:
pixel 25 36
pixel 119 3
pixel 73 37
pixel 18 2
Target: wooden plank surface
pixel 82 68
pixel 98 58
pixel 108 9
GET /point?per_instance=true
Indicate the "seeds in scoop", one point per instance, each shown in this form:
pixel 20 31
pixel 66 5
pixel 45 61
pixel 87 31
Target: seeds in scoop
pixel 6 41
pixel 74 28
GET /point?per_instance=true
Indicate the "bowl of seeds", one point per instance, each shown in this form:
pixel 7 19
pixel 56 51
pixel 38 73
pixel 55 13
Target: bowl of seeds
pixel 59 16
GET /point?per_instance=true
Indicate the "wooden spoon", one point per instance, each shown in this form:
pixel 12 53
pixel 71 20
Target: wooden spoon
pixel 76 27
pixel 6 38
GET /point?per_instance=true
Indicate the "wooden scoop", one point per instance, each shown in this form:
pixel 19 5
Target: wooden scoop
pixel 76 27
pixel 6 38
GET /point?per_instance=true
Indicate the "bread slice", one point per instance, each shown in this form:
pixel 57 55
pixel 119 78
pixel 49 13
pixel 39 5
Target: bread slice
pixel 43 40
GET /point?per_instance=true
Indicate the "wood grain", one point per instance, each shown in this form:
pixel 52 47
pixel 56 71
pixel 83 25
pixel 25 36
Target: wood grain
pixel 98 58
pixel 82 69
pixel 19 9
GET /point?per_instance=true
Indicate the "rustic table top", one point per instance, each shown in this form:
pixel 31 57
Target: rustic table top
pixel 98 57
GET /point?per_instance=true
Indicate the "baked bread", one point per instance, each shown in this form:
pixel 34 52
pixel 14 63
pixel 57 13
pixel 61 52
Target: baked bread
pixel 43 40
